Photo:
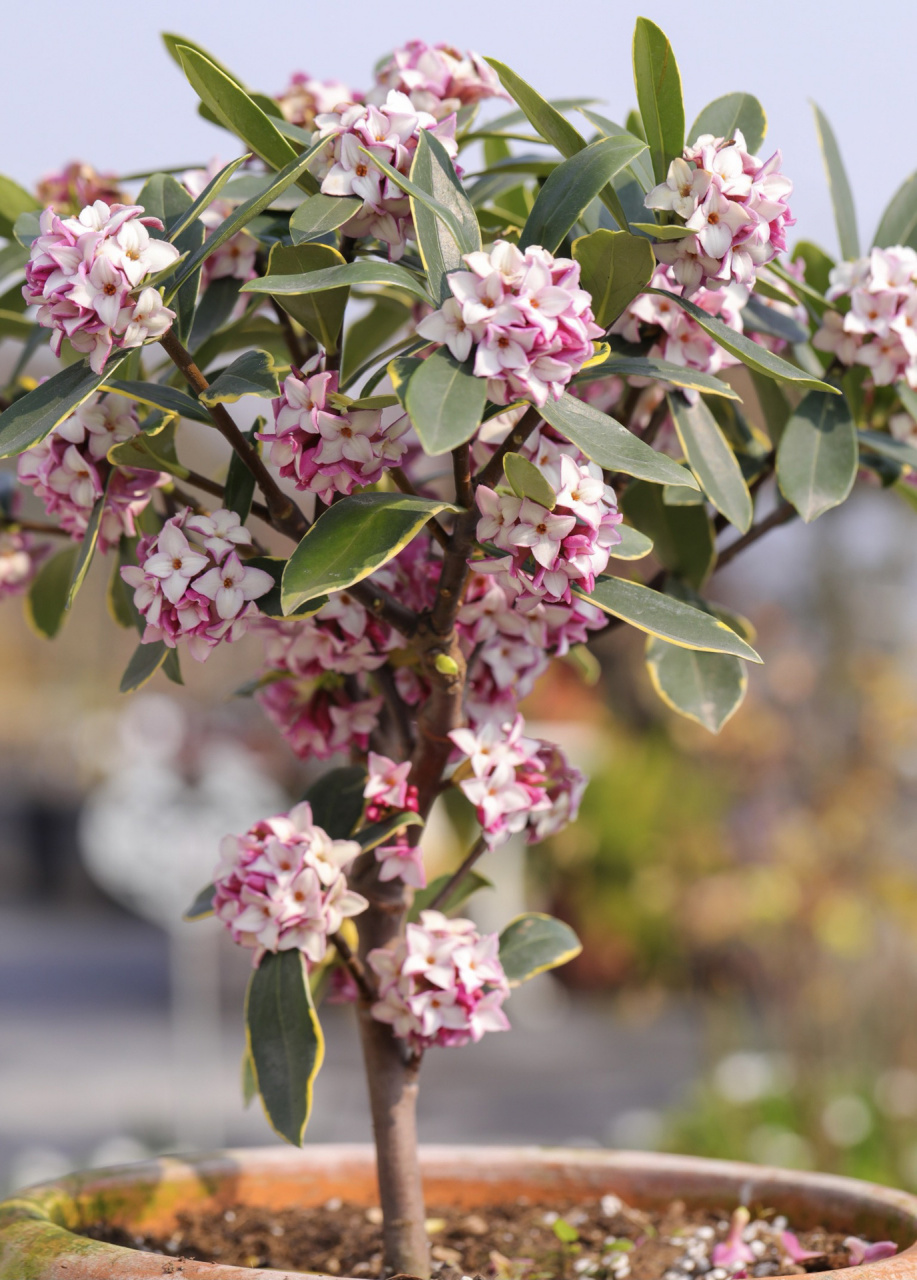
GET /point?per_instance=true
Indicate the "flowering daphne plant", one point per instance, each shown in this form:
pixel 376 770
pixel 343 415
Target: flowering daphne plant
pixel 491 397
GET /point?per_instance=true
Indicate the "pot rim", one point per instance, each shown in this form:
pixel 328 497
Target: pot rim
pixel 40 1220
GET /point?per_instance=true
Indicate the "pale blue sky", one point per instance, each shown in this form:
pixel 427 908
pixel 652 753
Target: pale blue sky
pixel 94 81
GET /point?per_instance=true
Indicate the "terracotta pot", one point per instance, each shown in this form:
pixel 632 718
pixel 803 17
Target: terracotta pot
pixel 37 1240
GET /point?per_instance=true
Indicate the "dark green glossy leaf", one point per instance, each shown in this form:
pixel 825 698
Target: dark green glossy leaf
pixel 164 198
pixel 441 211
pixel 14 201
pixel 36 414
pixel 526 481
pixel 758 317
pixel 320 214
pixel 202 906
pixel 433 172
pixel 285 1041
pixel 610 444
pixel 119 597
pixel 469 884
pixel 378 832
pixel 174 44
pixel 683 537
pixel 88 545
pixel 621 366
pixel 270 603
pixel 145 662
pixel 899 451
pixel 642 166
pixel 839 186
pixel 171 667
pixel 657 232
pixel 46 602
pixel 533 943
pixel 712 460
pixel 817 457
pixel 321 314
pixel 444 400
pixel 151 450
pixel 669 619
pixel 898 224
pixel 371 333
pixel 658 86
pixel 251 374
pixel 214 310
pixel 352 274
pixel 774 405
pixel 706 687
pixel 351 540
pixel 614 268
pixel 634 545
pixel 205 199
pixel 159 396
pixel 240 483
pixel 336 800
pixel 733 111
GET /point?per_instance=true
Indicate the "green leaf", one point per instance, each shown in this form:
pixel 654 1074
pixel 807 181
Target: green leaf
pixel 171 668
pixel 444 400
pixel 817 457
pixel 321 314
pixel 634 545
pixel 712 460
pixel 433 172
pixel 642 168
pixel 233 107
pixel 760 318
pixel 251 374
pixel 441 211
pixel 610 444
pixel 573 186
pixel 46 602
pixel 533 943
pixel 660 371
pixel 546 119
pixel 468 885
pixel 564 1230
pixel 145 662
pixel 775 407
pixel 36 414
pixel 744 349
pixel 27 228
pixel 249 1083
pixel 14 200
pixel 658 86
pixel 733 111
pixel 706 687
pixel 669 619
pixel 166 199
pixel 839 186
pixel 215 308
pixel 88 544
pixel 683 539
pixel 174 43
pixel 658 232
pixel 352 274
pixel 526 481
pixel 676 495
pixel 337 801
pixel 320 214
pixel 378 832
pixel 285 1041
pixel 119 597
pixel 371 332
pixel 898 224
pixel 240 483
pixel 169 399
pixel 896 450
pixel 614 268
pixel 351 540
pixel 206 198
pixel 270 603
pixel 202 906
pixel 151 450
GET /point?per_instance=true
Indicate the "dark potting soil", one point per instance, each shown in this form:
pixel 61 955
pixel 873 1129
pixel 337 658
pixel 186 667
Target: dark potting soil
pixel 564 1240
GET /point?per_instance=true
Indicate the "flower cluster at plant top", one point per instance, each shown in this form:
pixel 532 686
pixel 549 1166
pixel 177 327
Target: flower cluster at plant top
pixel 735 205
pixel 304 98
pixel 84 274
pixel 68 469
pixel 201 594
pixel 517 784
pixel 325 447
pixel 437 78
pixel 879 330
pixel 389 131
pixel 235 259
pixel 570 543
pixel 77 185
pixel 442 983
pixel 388 792
pixel 282 886
pixel 529 321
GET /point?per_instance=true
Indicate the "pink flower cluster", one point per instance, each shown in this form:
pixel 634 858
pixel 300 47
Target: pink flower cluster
pixel 530 323
pixel 388 792
pixel 201 594
pixel 67 470
pixel 77 185
pixel 235 259
pixel 735 205
pixel 19 561
pixel 568 544
pixel 437 78
pixel 880 328
pixel 85 274
pixel 282 886
pixel 325 448
pixel 389 131
pixel 516 783
pixel 304 98
pixel 442 983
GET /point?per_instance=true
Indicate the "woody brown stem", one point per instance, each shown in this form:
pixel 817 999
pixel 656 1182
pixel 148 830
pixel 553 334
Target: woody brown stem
pixel 477 850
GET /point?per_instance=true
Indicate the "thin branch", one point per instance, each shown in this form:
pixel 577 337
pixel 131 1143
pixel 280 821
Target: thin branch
pixel 355 967
pixel 446 892
pixel 491 474
pixel 298 354
pixel 780 515
pixel 218 491
pixel 32 526
pixel 404 484
pixel 461 468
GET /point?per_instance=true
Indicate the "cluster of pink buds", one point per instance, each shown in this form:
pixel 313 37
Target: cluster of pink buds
pixel 516 783
pixel 387 792
pixel 442 983
pixel 235 259
pixel 530 323
pixel 735 205
pixel 880 328
pixel 85 275
pixel 436 78
pixel 77 185
pixel 19 561
pixel 282 886
pixel 570 543
pixel 325 447
pixel 202 594
pixel 67 470
pixel 318 722
pixel 304 98
pixel 389 131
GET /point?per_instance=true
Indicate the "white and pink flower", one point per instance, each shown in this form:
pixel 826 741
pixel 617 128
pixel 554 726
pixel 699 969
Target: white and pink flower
pixel 879 330
pixel 437 78
pixel 304 98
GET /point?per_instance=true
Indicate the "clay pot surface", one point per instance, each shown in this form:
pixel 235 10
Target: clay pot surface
pixel 38 1227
